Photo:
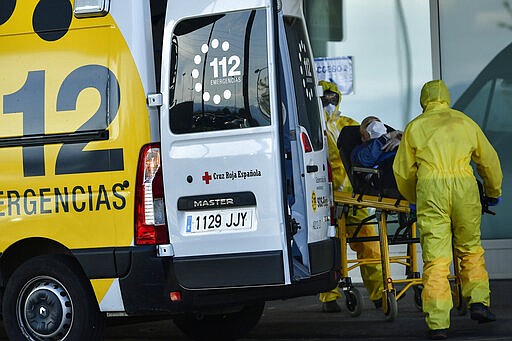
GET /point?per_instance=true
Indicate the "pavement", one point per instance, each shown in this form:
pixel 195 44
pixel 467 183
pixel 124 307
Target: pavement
pixel 301 319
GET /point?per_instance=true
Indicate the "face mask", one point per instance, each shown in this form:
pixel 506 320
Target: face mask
pixel 330 108
pixel 376 129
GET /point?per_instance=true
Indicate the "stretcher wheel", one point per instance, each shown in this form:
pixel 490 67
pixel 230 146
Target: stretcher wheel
pixel 460 303
pixel 391 311
pixel 462 308
pixel 353 301
pixel 417 296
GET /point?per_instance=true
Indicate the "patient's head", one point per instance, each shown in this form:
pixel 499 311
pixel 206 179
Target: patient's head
pixel 371 128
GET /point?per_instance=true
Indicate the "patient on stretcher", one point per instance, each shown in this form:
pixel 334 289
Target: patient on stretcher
pixel 368 153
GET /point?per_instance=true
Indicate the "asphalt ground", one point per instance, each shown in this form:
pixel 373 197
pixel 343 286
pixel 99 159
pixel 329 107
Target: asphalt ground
pixel 301 319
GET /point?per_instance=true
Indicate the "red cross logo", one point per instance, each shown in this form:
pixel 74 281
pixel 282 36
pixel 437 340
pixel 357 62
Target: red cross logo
pixel 207 177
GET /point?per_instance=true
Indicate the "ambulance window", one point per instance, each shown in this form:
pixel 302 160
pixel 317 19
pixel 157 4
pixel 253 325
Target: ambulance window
pixel 304 82
pixel 219 73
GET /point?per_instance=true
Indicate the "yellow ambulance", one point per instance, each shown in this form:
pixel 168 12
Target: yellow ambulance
pixel 158 157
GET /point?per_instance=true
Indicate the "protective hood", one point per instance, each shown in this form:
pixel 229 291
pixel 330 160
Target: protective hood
pixel 434 92
pixel 332 87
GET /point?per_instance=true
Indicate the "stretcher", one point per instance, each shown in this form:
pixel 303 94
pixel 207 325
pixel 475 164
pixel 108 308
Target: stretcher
pixel 389 208
pixel 385 210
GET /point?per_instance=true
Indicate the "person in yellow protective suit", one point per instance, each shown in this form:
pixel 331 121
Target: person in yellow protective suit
pixel 432 170
pixel 371 273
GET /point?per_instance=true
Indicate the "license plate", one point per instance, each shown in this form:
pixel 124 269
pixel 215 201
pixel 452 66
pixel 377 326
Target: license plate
pixel 225 220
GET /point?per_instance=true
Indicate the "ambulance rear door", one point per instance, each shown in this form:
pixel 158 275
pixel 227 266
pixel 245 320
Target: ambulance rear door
pixel 228 203
pixel 312 247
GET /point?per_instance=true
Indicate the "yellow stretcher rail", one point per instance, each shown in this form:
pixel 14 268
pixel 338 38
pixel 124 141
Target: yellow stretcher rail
pixel 364 200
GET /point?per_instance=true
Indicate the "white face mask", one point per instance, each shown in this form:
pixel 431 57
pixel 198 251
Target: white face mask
pixel 376 129
pixel 330 108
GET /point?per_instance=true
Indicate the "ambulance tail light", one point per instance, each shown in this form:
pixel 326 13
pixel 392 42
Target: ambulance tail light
pixel 306 143
pixel 150 221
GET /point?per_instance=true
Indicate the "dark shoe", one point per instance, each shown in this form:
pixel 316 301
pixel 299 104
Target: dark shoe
pixel 331 307
pixel 438 334
pixel 481 313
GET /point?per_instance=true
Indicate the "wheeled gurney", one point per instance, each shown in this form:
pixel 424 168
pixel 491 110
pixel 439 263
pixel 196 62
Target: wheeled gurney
pixel 389 208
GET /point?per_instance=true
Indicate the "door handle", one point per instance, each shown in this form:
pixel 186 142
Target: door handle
pixel 312 168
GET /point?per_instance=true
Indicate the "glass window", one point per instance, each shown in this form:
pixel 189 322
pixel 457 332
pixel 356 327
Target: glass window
pixel 219 67
pixel 324 22
pixel 491 108
pixel 475 64
pixel 477 107
pixel 498 129
pixel 500 114
pixel 304 82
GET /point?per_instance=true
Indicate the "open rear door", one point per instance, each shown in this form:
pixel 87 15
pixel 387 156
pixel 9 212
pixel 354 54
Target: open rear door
pixel 313 250
pixel 222 152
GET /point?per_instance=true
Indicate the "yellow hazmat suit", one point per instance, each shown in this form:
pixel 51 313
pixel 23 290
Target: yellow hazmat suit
pixel 371 274
pixel 432 169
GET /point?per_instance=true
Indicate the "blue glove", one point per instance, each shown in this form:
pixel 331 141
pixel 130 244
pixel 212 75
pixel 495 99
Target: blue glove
pixel 412 207
pixel 492 201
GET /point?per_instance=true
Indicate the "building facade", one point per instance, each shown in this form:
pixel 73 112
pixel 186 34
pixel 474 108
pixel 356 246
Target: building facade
pixel 395 46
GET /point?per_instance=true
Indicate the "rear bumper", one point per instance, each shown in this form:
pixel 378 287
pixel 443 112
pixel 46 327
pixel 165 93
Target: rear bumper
pixel 210 284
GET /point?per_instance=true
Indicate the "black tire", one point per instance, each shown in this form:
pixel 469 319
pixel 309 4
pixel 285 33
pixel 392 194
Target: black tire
pixel 227 326
pixel 391 311
pixel 49 298
pixel 353 301
pixel 460 304
pixel 418 302
pixel 462 308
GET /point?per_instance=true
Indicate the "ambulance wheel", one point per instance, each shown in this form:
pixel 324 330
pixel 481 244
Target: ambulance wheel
pixel 391 310
pixel 226 326
pixel 49 298
pixel 353 302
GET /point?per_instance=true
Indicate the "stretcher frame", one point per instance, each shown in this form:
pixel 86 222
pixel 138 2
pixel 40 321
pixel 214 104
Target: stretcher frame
pixel 344 202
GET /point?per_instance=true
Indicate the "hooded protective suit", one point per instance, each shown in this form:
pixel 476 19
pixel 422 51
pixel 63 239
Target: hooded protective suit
pixel 371 274
pixel 432 169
